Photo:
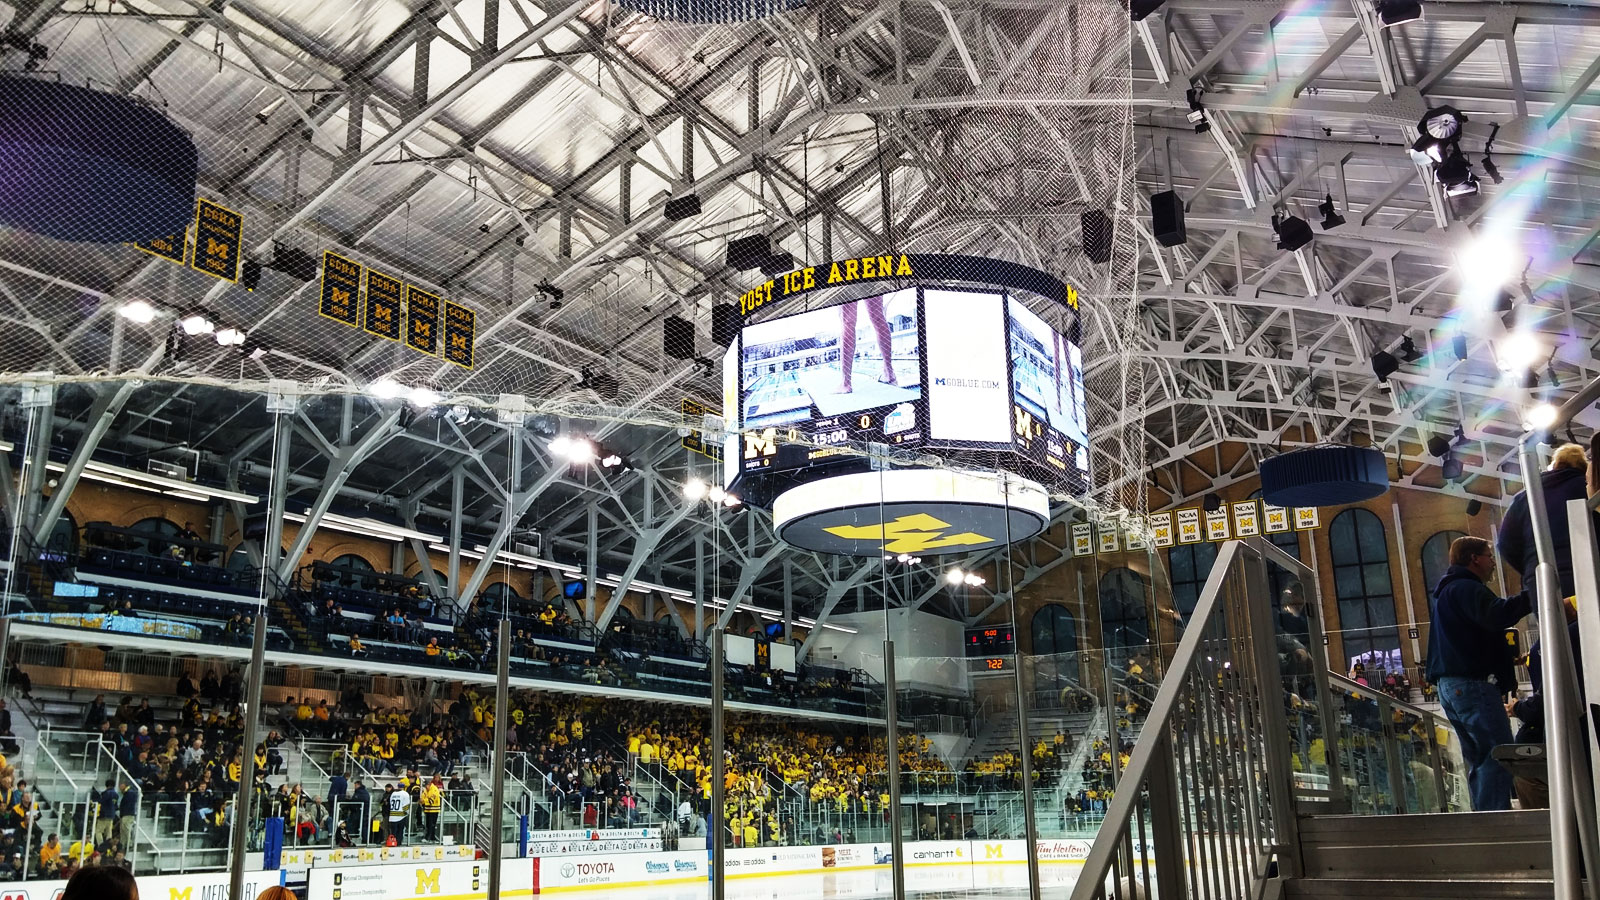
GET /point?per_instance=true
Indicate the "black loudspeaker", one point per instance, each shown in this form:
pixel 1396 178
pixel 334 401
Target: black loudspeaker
pixel 250 274
pixel 748 253
pixel 1166 217
pixel 1384 364
pixel 680 208
pixel 1474 507
pixel 1294 233
pixel 677 338
pixel 294 262
pixel 1212 503
pixel 1438 446
pixel 725 323
pixel 777 264
pixel 1096 235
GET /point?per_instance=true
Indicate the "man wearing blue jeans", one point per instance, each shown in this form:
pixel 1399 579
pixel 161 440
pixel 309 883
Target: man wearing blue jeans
pixel 1471 664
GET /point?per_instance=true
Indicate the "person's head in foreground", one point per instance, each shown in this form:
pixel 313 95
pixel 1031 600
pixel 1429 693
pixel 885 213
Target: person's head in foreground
pixel 277 892
pixel 101 883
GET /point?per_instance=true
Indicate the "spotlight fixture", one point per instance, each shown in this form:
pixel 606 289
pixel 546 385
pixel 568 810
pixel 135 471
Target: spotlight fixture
pixel 716 494
pixel 1384 364
pixel 1330 215
pixel 249 274
pixel 1550 374
pixel 1455 173
pixel 196 323
pixel 1408 350
pixel 1438 446
pixel 549 290
pixel 294 262
pixel 1458 344
pixel 1293 232
pixel 230 337
pixel 1460 435
pixel 139 311
pixel 1197 111
pixel 1519 352
pixel 386 389
pixel 695 489
pixel 1489 167
pixel 954 576
pixel 1442 123
pixel 1540 417
pixel 576 450
pixel 1398 12
pixel 974 580
pixel 1452 469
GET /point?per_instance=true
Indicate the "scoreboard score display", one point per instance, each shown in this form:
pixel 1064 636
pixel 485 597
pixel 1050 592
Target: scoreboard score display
pixel 984 642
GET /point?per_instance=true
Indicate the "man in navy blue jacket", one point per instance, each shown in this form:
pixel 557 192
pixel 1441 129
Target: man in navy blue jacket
pixel 1564 480
pixel 1471 664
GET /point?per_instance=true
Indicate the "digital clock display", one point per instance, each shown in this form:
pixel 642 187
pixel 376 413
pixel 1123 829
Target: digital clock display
pixel 987 642
pixel 989 665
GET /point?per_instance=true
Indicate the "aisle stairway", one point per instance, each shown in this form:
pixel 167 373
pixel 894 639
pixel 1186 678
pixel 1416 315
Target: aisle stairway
pixel 1441 856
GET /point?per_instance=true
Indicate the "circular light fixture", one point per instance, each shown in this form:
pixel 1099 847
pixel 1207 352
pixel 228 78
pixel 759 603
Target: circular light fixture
pixel 560 445
pixel 954 576
pixel 1442 123
pixel 1519 351
pixel 423 397
pixel 386 389
pixel 695 489
pixel 716 495
pixel 1540 416
pixel 137 311
pixel 196 323
pixel 581 450
pixel 229 337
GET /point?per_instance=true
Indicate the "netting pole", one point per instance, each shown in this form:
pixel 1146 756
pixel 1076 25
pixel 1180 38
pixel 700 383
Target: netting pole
pixel 502 703
pixel 247 762
pixel 891 714
pixel 1030 822
pixel 715 833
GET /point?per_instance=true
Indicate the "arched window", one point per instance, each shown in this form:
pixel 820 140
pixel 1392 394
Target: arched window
pixel 1054 630
pixel 1124 622
pixel 1360 558
pixel 158 528
pixel 1190 564
pixel 1436 558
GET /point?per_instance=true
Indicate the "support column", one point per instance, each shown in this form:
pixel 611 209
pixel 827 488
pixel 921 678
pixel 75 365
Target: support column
pixel 453 570
pixel 891 716
pixel 39 401
pixel 272 550
pixel 716 832
pixel 1405 579
pixel 502 703
pixel 1025 755
pixel 591 565
pixel 699 585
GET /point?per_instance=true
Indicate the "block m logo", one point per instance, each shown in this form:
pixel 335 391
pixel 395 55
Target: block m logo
pixel 427 882
pixel 762 443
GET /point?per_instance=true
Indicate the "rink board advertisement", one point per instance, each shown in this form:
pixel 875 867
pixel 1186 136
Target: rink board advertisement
pixel 297 860
pixel 593 840
pixel 458 880
pixel 203 886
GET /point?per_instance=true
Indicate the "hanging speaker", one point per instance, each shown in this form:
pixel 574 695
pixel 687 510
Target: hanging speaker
pixel 677 338
pixel 1166 219
pixel 1474 507
pixel 1096 235
pixel 748 253
pixel 725 323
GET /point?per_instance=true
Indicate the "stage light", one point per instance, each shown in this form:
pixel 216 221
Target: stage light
pixel 196 323
pixel 139 311
pixel 1438 446
pixel 1408 350
pixel 1519 351
pixel 1455 173
pixel 1550 373
pixel 1398 12
pixel 973 580
pixel 731 500
pixel 386 389
pixel 1488 262
pixel 1197 111
pixel 1425 151
pixel 230 337
pixel 695 489
pixel 716 495
pixel 1384 364
pixel 1540 416
pixel 1330 214
pixel 611 461
pixel 1442 123
pixel 422 398
pixel 954 576
pixel 1293 232
pixel 1452 469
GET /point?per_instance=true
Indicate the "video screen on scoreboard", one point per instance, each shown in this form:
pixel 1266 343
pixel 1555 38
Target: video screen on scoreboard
pixel 845 373
pixel 965 337
pixel 1050 414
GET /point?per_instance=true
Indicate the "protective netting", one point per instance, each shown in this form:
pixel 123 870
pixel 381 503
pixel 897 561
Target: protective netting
pixel 524 181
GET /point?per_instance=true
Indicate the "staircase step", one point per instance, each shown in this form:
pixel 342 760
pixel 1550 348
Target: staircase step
pixel 1499 845
pixel 1356 889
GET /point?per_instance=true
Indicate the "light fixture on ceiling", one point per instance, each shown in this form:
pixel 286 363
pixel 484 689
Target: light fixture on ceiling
pixel 1408 350
pixel 1518 351
pixel 1452 469
pixel 196 323
pixel 229 337
pixel 1294 233
pixel 954 576
pixel 1398 12
pixel 422 397
pixel 1458 345
pixel 139 311
pixel 1438 446
pixel 1455 173
pixel 1438 131
pixel 386 389
pixel 1330 214
pixel 1540 417
pixel 577 450
pixel 1384 364
pixel 146 481
pixel 1197 111
pixel 696 488
pixel 366 527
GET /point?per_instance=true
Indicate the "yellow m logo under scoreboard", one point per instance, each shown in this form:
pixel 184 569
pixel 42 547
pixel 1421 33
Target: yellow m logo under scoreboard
pixel 427 882
pixel 910 534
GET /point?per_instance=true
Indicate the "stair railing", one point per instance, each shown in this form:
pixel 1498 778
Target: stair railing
pixel 1205 804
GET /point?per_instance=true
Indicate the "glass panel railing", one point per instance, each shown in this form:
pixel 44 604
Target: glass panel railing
pixel 1395 757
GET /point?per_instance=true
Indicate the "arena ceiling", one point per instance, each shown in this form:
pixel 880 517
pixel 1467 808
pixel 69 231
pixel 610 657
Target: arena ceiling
pixel 495 149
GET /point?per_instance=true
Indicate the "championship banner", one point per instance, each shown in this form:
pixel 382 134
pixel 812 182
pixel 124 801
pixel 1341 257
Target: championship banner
pixel 381 315
pixel 1305 517
pixel 218 240
pixel 1161 529
pixel 1246 520
pixel 173 247
pixel 338 296
pixel 422 320
pixel 1275 519
pixel 1108 539
pixel 1217 525
pixel 1082 539
pixel 1189 526
pixel 1135 539
pixel 460 331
